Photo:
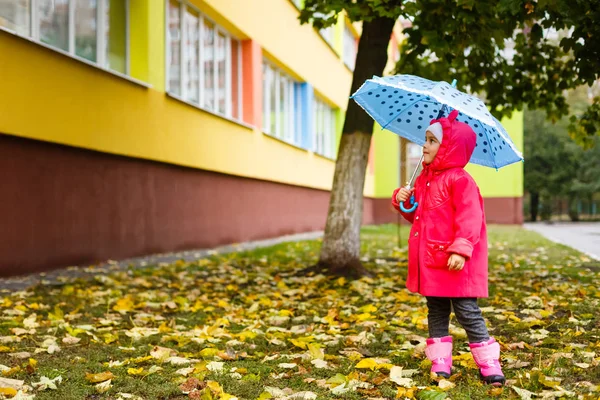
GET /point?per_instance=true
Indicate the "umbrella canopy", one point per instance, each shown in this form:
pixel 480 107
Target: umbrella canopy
pixel 406 104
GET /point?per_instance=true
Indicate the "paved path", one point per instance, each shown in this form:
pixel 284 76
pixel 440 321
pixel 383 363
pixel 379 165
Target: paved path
pixel 582 236
pixel 59 275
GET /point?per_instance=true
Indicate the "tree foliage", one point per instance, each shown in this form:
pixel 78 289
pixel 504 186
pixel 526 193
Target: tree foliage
pixel 556 167
pixel 512 52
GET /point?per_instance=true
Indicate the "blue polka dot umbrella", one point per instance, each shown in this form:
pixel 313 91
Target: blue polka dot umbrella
pixel 406 104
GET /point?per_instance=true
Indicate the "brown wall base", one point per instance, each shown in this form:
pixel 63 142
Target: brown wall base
pixel 64 206
pixel 504 210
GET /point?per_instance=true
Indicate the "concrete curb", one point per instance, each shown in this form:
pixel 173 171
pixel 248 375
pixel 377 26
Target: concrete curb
pixel 58 276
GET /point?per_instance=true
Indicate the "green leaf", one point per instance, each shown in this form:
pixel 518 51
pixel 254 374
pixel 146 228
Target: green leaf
pixel 431 395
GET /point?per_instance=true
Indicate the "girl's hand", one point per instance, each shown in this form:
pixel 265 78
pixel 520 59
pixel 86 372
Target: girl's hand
pixel 403 194
pixel 456 262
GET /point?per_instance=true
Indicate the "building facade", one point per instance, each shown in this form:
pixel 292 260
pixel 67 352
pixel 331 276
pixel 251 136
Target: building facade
pixel 130 127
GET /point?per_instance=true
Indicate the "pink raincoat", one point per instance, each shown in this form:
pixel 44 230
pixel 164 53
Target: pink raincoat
pixel 450 219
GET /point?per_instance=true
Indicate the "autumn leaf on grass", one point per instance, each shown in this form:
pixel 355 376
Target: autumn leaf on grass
pixel 287 365
pixel 373 364
pixel 445 384
pixel 124 305
pixel 320 364
pixel 47 383
pixel 191 384
pixel 396 376
pixel 215 366
pixel 465 360
pixel 104 386
pixel 550 382
pixel 101 377
pixel 405 393
pixel 141 372
pixel 8 391
pixel 68 339
pixel 136 371
pixel 209 352
pixel 525 394
pixel 110 338
pixel 185 371
pixel 316 352
pixel 11 383
pixel 32 366
pixel 162 353
pixel 431 395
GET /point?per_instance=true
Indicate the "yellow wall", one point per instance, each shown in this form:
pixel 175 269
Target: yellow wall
pixel 507 181
pixel 298 49
pixel 71 103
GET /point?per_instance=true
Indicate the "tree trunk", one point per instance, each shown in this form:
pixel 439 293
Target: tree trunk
pixel 340 252
pixel 535 205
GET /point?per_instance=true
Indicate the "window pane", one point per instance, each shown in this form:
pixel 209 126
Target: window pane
pixel 208 50
pixel 327 34
pixel 14 15
pixel 266 99
pixel 86 16
pixel 191 74
pixel 174 48
pixel 273 100
pixel 236 74
pixel 116 31
pixel 349 48
pixel 329 133
pixel 54 23
pixel 321 117
pixel 222 73
pixel 283 115
pixel 291 113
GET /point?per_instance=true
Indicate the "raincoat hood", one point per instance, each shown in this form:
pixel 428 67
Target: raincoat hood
pixel 458 144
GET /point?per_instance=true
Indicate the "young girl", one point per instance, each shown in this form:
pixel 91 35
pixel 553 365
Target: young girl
pixel 447 249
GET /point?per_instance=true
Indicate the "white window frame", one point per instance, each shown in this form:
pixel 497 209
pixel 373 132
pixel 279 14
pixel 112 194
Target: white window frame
pixel 101 23
pixel 288 134
pixel 350 63
pixel 217 29
pixel 323 129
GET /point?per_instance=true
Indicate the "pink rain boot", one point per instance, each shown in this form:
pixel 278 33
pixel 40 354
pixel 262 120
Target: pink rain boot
pixel 439 351
pixel 487 358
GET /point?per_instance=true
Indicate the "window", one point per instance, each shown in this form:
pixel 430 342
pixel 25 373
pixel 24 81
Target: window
pixel 323 129
pixel 94 30
pixel 280 113
pixel 349 48
pixel 204 61
pixel 16 16
pixel 327 34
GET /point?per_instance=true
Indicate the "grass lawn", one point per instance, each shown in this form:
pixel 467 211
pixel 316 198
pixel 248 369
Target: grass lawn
pixel 245 325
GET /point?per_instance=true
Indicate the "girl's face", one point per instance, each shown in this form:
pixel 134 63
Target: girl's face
pixel 430 148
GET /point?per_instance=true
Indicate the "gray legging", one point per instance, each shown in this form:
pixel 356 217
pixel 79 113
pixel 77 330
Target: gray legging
pixel 467 313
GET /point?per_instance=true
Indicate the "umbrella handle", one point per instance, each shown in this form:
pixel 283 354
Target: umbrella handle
pixel 412 202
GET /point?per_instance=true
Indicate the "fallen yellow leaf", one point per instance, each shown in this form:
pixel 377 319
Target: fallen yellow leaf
pixel 367 363
pixel 101 377
pixel 124 304
pixel 8 391
pixel 136 371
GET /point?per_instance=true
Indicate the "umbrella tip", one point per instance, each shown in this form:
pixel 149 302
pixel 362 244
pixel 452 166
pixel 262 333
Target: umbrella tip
pixel 454 83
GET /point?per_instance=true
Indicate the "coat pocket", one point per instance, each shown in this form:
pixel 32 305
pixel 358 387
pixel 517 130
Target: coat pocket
pixel 437 255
